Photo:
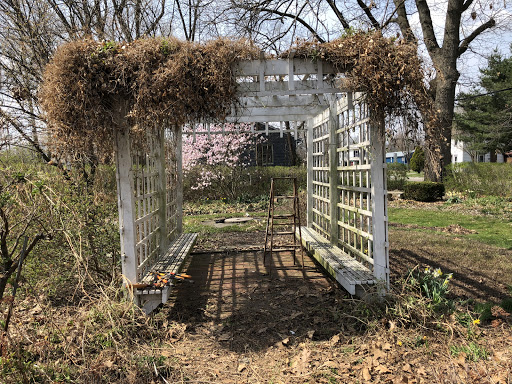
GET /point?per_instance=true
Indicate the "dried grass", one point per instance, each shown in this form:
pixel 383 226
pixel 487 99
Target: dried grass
pixel 171 82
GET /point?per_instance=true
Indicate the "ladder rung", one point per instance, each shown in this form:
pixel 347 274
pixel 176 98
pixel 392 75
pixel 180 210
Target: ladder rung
pixel 284 216
pixel 284 233
pixel 288 248
pixel 285 197
pixel 282 224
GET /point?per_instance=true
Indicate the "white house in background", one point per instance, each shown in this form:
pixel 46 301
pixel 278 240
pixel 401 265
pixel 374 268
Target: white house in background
pixel 460 154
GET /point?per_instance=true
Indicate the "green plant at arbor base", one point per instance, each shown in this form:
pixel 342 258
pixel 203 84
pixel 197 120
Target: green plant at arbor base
pixel 473 351
pixel 424 191
pixel 433 284
pixel 418 160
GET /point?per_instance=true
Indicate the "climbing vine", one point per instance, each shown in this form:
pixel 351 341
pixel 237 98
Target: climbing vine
pixel 388 70
pixel 171 82
pixel 162 81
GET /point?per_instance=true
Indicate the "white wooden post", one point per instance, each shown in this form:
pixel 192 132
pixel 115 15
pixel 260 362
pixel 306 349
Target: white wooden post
pixel 379 203
pixel 160 161
pixel 125 195
pixel 261 75
pixel 179 187
pixel 310 165
pixel 333 169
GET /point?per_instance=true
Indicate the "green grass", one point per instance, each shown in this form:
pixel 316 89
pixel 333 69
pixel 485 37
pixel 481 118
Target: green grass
pixel 473 351
pixel 490 230
pixel 414 174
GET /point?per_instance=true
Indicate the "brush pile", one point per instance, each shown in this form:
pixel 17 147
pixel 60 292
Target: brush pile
pixel 169 82
pixel 158 82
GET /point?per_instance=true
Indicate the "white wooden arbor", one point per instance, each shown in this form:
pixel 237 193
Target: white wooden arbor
pixel 347 212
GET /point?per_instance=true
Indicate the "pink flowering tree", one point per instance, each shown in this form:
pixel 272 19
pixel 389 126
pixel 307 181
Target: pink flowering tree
pixel 216 164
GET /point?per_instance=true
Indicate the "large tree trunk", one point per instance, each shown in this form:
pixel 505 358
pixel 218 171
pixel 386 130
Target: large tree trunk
pixel 438 131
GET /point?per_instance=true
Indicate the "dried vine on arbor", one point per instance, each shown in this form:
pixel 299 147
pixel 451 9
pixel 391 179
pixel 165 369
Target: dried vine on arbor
pixel 171 82
pixel 162 81
pixel 388 70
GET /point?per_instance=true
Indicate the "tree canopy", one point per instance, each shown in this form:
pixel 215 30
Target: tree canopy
pixel 484 120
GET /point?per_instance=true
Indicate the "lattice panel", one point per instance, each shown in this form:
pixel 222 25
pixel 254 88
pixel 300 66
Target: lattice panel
pixel 146 182
pixel 155 208
pixel 321 197
pixel 349 179
pixel 171 186
pixel 354 181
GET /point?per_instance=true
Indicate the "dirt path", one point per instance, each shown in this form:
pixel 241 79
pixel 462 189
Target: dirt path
pixel 238 324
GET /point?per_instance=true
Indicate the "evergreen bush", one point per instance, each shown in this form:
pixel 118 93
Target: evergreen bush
pixel 423 191
pixel 396 176
pixel 418 160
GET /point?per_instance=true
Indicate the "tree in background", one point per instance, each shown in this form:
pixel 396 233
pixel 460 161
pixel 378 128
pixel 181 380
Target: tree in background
pixel 417 163
pixel 445 37
pixel 484 123
pixel 216 162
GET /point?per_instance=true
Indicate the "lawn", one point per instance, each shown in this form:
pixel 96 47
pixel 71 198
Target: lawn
pixel 414 174
pixel 488 229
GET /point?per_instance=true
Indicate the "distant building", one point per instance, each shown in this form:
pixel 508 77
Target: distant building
pixel 276 149
pixel 461 154
pixel 398 157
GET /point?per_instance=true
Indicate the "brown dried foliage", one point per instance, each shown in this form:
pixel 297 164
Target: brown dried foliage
pixel 170 82
pixel 163 81
pixel 388 70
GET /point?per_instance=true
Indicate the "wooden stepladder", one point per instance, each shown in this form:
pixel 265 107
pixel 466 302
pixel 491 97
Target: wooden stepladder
pixel 283 219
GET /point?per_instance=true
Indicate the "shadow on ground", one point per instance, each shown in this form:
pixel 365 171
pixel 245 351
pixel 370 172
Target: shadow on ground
pixel 245 308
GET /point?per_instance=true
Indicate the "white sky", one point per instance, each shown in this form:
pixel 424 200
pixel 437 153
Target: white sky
pixel 499 37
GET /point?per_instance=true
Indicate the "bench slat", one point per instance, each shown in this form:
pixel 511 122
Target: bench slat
pixel 345 269
pixel 174 257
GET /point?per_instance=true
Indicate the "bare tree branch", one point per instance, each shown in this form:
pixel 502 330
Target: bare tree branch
pixel 403 21
pixel 427 26
pixel 339 15
pixel 466 5
pixel 368 13
pixel 465 43
pixel 298 19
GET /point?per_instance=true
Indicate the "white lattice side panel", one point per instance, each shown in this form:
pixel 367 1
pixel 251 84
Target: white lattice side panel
pixel 321 220
pixel 146 188
pixel 354 163
pixel 346 183
pixel 171 185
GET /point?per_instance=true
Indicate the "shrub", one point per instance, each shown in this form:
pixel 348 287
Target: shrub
pixel 480 179
pixel 253 183
pixel 423 191
pixel 396 176
pixel 219 162
pixel 418 160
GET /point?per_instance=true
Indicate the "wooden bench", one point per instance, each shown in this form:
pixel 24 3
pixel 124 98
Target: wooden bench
pixel 172 261
pixel 350 273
